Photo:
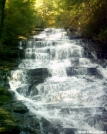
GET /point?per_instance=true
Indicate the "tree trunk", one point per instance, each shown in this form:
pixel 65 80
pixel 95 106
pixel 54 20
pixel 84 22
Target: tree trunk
pixel 2 7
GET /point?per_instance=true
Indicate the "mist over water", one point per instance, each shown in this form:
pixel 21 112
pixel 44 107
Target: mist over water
pixel 58 81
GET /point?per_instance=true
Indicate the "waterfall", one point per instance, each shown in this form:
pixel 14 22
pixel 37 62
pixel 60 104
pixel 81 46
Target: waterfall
pixel 62 82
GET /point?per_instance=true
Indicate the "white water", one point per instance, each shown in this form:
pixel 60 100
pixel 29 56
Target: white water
pixel 73 96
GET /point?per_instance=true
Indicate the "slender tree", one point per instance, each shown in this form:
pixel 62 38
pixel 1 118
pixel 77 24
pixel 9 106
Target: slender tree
pixel 2 7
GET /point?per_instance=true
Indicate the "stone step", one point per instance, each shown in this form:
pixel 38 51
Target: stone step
pixel 83 71
pixel 69 70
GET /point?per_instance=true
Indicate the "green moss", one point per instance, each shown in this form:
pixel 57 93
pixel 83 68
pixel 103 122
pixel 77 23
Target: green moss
pixel 7 122
pixel 5 95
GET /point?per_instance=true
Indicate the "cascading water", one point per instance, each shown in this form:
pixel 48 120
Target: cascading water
pixel 60 82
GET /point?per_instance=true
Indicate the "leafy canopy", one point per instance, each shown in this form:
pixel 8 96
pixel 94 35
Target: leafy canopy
pixel 21 18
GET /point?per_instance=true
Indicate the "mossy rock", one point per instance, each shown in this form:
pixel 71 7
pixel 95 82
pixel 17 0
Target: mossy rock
pixel 7 122
pixel 5 95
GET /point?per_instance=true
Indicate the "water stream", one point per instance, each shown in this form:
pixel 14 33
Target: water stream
pixel 58 80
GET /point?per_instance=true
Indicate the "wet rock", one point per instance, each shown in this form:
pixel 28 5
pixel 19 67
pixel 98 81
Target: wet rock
pixel 24 132
pixel 33 90
pixel 38 72
pixel 73 33
pixel 69 131
pixel 45 122
pixel 32 124
pixel 16 107
pixel 21 110
pixel 48 127
pixel 26 122
pixel 28 90
pixel 19 107
pixel 23 90
pixel 105 128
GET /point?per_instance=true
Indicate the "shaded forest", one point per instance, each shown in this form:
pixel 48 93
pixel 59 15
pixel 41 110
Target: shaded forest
pixel 19 17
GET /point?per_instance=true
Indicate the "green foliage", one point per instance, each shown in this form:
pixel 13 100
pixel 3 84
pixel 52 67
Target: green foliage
pixel 90 16
pixel 93 23
pixel 102 36
pixel 21 18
